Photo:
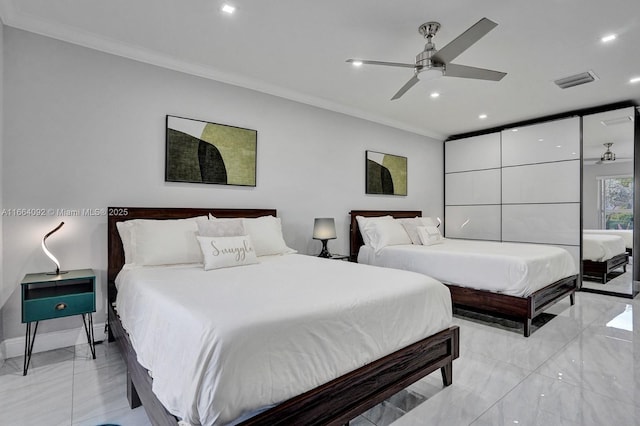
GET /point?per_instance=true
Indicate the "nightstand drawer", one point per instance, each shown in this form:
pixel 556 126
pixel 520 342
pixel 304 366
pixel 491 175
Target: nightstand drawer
pixel 57 307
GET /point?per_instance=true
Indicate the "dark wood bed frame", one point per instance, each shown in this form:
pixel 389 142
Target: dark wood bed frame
pixel 334 403
pixel 521 308
pixel 600 270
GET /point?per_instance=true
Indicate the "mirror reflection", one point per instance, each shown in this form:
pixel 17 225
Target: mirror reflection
pixel 608 216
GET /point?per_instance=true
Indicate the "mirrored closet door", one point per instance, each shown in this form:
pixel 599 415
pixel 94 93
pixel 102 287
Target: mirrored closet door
pixel 609 171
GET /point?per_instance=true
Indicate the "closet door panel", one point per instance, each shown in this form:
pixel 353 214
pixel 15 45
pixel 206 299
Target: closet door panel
pixel 473 222
pixel 542 223
pixel 479 187
pixel 542 183
pixel 541 143
pixel 475 153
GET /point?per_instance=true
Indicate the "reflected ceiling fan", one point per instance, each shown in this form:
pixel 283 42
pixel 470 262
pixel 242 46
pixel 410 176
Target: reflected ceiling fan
pixel 608 156
pixel 440 60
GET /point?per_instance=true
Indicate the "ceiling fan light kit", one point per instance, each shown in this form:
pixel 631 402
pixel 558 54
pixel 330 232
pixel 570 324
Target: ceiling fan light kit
pixel 431 59
pixel 608 154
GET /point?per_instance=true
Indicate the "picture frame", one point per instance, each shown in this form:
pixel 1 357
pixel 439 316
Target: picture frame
pixel 203 152
pixel 386 174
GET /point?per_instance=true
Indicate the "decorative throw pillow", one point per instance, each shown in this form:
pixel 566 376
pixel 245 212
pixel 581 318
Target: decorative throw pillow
pixel 225 252
pixel 429 235
pixel 411 226
pixel 221 228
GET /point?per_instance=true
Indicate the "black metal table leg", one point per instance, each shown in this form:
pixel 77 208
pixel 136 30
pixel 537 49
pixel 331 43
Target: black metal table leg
pixel 88 328
pixel 28 346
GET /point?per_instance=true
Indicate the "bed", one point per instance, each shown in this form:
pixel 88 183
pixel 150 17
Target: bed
pixel 602 254
pixel 626 234
pixel 521 306
pixel 328 402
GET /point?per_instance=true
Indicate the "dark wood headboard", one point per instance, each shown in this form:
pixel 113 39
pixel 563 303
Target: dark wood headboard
pixel 115 252
pixel 355 238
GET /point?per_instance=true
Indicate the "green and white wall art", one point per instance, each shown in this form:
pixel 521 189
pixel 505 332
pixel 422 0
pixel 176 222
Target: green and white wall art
pixel 386 174
pixel 202 152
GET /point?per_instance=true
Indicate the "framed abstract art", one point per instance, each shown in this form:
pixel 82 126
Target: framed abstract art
pixel 202 152
pixel 386 174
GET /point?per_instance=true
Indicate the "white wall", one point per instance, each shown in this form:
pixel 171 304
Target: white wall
pixel 2 355
pixel 84 129
pixel 590 173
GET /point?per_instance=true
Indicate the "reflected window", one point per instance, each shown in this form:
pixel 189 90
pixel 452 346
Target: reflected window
pixel 623 321
pixel 616 202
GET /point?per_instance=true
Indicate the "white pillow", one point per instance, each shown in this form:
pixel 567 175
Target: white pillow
pixel 362 224
pixel 430 235
pixel 384 233
pixel 411 225
pixel 225 252
pixel 125 229
pixel 266 235
pixel 221 228
pixel 165 242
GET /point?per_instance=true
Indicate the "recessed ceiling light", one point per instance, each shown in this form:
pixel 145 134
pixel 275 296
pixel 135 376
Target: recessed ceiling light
pixel 635 80
pixel 482 116
pixel 608 38
pixel 558 146
pixel 357 63
pixel 540 140
pixel 435 95
pixel 227 8
pixel 514 130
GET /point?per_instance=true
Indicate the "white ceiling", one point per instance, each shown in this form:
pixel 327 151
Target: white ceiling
pixel 297 49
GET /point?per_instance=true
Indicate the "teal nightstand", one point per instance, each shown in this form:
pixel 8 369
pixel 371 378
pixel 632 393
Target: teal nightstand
pixel 46 296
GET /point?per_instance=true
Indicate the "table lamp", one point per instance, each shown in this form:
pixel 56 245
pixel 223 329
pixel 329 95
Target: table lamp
pixel 324 229
pixel 49 254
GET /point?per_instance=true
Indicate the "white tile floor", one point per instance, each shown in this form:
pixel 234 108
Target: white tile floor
pixel 581 368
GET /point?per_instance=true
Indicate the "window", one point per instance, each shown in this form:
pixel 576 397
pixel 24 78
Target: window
pixel 616 202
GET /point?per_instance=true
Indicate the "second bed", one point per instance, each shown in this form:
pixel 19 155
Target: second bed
pixel 515 280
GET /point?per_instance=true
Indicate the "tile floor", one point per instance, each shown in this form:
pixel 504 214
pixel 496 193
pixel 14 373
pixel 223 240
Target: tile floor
pixel 581 368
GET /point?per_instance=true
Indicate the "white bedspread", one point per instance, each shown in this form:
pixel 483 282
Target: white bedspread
pixel 600 247
pixel 626 234
pixel 508 268
pixel 226 342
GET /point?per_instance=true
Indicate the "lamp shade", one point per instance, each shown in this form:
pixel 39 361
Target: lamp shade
pixel 324 229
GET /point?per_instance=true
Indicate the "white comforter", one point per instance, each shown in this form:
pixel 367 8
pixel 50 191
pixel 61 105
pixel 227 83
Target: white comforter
pixel 508 268
pixel 626 234
pixel 600 247
pixel 224 343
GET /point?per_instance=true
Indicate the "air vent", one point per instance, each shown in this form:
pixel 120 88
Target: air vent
pixel 616 121
pixel 576 80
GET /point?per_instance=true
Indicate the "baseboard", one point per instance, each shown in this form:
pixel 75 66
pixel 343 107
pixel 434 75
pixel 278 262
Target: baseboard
pixel 53 340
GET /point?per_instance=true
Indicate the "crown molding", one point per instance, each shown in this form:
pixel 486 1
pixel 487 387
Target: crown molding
pixel 13 18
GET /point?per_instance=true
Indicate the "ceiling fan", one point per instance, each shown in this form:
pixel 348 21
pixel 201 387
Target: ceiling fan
pixel 440 60
pixel 608 156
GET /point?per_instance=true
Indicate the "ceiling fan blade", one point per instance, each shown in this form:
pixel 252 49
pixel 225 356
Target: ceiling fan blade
pixel 388 64
pixel 408 85
pixel 451 51
pixel 464 71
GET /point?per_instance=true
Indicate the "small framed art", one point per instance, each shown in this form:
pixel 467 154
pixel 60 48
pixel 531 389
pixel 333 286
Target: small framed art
pixel 386 174
pixel 202 152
